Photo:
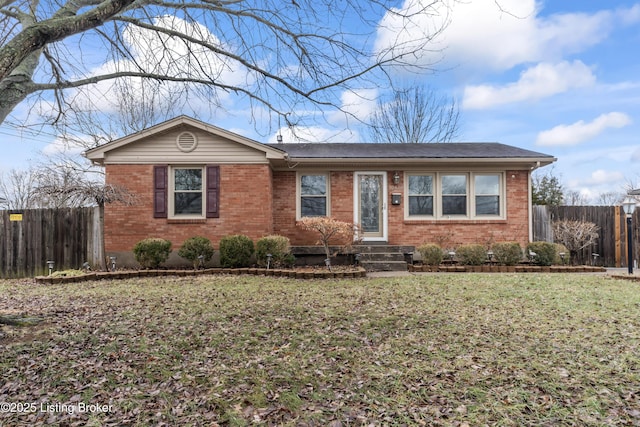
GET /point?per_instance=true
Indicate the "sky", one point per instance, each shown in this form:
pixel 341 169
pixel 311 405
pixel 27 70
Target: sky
pixel 558 77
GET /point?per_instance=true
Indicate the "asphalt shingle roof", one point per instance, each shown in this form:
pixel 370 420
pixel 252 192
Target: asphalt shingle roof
pixel 450 150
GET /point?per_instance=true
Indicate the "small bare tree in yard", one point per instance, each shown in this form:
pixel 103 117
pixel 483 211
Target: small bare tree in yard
pixel 575 235
pixel 331 231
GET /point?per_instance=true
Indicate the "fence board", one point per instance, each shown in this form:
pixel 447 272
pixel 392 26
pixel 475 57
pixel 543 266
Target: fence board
pixel 69 237
pixel 611 243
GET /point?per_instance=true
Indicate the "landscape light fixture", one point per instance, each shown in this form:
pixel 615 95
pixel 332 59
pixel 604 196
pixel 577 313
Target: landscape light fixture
pixel 629 205
pixel 562 255
pixel 50 265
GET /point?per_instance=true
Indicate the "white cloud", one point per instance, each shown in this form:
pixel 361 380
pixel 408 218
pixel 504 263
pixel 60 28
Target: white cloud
pixel 535 83
pixel 359 103
pixel 63 146
pixel 601 176
pixel 574 134
pixel 485 34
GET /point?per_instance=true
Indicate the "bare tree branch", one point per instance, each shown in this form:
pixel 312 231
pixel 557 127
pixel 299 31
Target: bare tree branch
pixel 415 115
pixel 278 54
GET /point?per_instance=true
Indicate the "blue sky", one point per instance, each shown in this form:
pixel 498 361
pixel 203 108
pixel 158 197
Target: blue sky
pixel 559 77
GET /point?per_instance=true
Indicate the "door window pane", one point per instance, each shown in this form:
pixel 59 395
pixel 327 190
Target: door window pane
pixel 370 214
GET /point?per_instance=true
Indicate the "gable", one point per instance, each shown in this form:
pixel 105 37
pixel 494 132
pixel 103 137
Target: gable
pixel 183 141
pixel 166 147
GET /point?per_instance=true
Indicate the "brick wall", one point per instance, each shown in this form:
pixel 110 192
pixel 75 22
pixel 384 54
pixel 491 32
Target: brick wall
pixel 402 232
pixel 452 233
pixel 284 204
pixel 245 208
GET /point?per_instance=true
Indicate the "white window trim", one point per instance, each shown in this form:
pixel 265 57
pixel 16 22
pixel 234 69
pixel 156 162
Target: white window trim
pixel 501 194
pixel 471 196
pixel 171 192
pixel 299 176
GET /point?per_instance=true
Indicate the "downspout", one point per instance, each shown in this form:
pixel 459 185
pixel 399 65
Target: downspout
pixel 530 198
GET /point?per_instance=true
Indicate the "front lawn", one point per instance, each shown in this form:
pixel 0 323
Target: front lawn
pixel 441 349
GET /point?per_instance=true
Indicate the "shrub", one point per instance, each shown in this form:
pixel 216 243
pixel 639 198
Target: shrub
pixel 507 253
pixel 278 247
pixel 472 254
pixel 575 235
pixel 431 254
pixel 152 252
pixel 331 231
pixel 545 252
pixel 236 251
pixel 194 247
pixel 560 248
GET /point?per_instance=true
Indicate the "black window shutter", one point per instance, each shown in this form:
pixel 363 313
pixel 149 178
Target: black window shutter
pixel 213 191
pixel 160 184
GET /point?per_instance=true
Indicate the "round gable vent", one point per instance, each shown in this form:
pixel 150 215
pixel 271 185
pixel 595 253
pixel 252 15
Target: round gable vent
pixel 186 142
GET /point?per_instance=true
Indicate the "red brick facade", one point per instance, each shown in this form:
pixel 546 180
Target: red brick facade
pixel 448 233
pixel 256 201
pixel 245 208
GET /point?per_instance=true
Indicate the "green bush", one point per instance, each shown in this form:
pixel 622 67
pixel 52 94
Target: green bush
pixel 545 252
pixel 152 252
pixel 431 254
pixel 560 248
pixel 193 247
pixel 236 251
pixel 472 254
pixel 507 253
pixel 279 248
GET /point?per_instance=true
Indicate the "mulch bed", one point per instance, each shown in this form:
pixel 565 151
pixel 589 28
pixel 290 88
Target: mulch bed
pixel 507 269
pixel 298 273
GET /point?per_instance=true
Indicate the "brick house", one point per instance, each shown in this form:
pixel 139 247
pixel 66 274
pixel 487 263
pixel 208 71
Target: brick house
pixel 194 179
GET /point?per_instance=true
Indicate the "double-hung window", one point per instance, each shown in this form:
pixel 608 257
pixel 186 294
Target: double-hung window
pixel 314 193
pixel 421 195
pixel 454 195
pixel 487 192
pixel 186 192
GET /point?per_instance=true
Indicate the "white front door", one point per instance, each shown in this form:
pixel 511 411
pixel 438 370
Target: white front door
pixel 370 210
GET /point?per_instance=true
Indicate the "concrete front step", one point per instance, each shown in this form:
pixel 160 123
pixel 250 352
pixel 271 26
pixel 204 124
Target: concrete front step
pixel 383 257
pixel 384 265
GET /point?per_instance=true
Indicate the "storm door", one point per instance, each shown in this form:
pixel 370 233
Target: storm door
pixel 371 205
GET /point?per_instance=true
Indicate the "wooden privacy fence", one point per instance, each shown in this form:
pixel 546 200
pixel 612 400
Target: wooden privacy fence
pixel 611 245
pixel 29 238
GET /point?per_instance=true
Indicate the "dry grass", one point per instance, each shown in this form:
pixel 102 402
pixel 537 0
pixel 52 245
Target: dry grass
pixel 463 349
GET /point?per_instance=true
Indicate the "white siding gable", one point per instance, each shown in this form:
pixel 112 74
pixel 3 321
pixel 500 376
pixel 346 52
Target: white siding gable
pixel 163 148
